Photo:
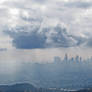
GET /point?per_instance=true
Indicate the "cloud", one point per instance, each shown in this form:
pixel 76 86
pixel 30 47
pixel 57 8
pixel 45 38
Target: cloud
pixel 79 4
pixel 3 49
pixel 29 41
pixel 49 34
pixel 29 20
pixel 89 43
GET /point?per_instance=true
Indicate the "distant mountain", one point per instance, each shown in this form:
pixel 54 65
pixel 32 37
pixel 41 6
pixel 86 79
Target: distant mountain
pixel 25 87
pixel 17 88
pixel 28 88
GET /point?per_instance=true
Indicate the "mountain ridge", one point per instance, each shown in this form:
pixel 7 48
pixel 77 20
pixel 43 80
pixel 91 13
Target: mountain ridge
pixel 26 87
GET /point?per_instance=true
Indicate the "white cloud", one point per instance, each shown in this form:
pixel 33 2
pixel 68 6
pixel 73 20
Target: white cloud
pixel 16 14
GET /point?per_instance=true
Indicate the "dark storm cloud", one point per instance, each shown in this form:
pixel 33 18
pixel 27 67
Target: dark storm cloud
pixel 29 41
pixel 44 38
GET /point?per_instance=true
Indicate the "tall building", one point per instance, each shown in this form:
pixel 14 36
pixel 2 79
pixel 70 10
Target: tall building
pixel 77 59
pixel 66 58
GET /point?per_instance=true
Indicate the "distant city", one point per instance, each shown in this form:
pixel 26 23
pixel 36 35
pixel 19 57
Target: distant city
pixel 76 59
pixel 72 73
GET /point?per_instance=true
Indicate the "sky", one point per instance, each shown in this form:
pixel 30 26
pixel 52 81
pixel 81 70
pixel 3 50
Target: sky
pixel 38 30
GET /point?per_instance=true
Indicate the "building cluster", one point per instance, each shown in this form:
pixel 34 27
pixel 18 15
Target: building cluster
pixel 76 59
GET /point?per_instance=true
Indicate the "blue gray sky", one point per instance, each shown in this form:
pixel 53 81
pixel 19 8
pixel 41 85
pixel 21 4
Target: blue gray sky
pixel 40 29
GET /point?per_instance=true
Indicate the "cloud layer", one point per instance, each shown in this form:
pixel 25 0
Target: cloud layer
pixel 46 23
pixel 48 34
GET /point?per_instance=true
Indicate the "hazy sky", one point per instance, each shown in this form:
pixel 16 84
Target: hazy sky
pixel 40 29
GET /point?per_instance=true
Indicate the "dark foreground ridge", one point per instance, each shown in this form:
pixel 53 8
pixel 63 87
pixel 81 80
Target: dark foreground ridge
pixel 25 87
